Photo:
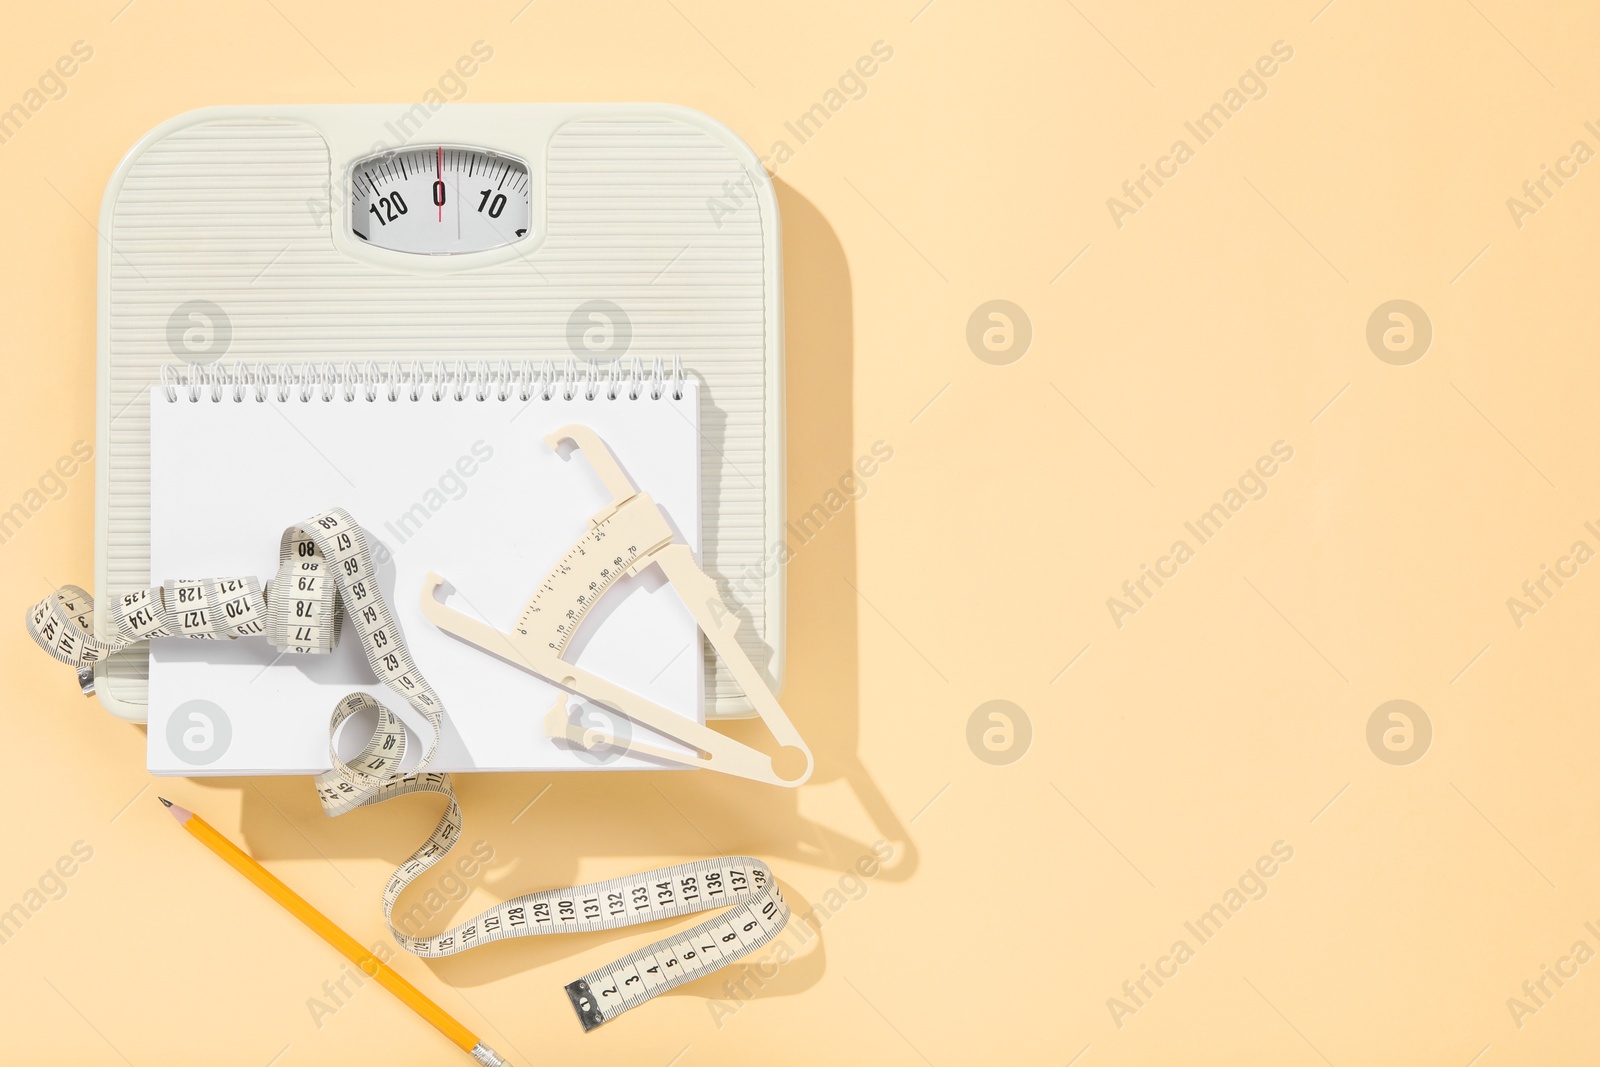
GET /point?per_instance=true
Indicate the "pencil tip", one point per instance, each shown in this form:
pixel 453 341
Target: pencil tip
pixel 165 801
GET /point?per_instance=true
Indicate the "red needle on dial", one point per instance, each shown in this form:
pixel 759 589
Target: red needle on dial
pixel 441 180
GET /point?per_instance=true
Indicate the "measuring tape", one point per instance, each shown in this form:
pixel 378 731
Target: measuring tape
pixel 326 582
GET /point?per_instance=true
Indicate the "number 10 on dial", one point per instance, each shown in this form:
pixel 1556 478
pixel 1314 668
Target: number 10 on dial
pixel 440 200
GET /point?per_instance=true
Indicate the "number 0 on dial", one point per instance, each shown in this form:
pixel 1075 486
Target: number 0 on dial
pixel 440 200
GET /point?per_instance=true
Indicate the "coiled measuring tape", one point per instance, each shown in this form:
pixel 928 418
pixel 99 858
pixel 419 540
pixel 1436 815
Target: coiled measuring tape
pixel 325 582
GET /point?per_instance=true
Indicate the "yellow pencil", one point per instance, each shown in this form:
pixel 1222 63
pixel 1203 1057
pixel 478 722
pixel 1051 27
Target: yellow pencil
pixel 370 965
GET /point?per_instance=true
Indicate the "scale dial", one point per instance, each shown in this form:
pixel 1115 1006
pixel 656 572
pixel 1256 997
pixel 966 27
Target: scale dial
pixel 440 200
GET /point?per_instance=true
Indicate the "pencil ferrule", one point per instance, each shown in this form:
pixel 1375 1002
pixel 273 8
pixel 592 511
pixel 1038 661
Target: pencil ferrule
pixel 487 1056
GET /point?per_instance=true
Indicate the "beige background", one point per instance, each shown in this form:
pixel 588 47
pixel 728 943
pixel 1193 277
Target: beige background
pixel 1168 354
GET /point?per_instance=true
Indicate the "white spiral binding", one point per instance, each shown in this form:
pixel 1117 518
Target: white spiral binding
pixel 416 380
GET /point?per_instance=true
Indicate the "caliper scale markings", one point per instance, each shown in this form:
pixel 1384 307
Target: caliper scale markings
pixel 612 548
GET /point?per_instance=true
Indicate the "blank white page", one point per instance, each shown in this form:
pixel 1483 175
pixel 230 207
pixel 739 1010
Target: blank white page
pixel 466 488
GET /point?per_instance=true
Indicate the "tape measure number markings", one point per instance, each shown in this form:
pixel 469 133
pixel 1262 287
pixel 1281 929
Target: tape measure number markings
pixel 325 579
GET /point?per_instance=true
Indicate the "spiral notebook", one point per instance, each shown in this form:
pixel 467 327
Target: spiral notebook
pixel 445 474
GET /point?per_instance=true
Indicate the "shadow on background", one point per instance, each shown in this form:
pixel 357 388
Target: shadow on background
pixel 545 828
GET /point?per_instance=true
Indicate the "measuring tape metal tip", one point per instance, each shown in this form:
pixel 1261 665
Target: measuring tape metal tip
pixel 582 1003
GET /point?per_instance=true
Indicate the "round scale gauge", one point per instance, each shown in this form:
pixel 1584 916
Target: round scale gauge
pixel 440 200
